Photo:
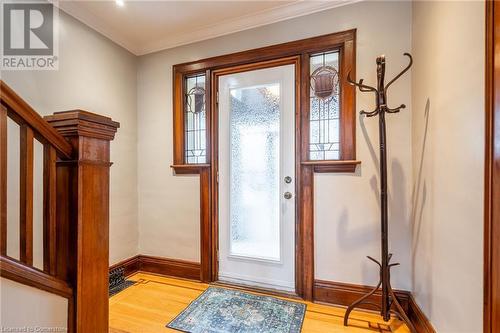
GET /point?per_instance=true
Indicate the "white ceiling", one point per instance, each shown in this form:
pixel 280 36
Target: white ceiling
pixel 147 26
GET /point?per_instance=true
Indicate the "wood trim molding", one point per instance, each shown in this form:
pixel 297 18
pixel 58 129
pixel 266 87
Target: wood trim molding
pixel 308 45
pixel 304 246
pixel 206 225
pixel 333 166
pixel 178 93
pixel 491 318
pixel 3 180
pixel 171 267
pixel 14 270
pixel 211 234
pixel 345 293
pixel 130 265
pixel 189 169
pixel 347 101
pixel 418 318
pixel 159 265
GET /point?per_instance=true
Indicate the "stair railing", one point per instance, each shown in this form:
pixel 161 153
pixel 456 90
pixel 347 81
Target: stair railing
pixel 76 163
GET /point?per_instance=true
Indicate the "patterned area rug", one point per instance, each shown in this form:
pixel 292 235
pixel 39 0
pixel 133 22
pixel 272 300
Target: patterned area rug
pixel 220 310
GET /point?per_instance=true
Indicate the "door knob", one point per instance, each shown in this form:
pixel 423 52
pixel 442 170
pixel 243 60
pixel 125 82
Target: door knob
pixel 287 195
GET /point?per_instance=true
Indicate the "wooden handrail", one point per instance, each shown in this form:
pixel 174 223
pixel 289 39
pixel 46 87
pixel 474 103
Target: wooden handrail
pixel 17 271
pixel 18 107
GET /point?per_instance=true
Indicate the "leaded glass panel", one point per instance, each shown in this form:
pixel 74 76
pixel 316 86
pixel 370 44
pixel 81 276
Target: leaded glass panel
pixel 324 107
pixel 195 120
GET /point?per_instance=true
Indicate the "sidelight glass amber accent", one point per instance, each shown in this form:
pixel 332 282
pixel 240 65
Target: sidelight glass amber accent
pixel 324 107
pixel 195 120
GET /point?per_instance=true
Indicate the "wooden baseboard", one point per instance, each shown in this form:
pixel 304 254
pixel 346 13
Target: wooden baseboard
pixel 159 265
pixel 418 318
pixel 171 267
pixel 345 294
pixel 130 265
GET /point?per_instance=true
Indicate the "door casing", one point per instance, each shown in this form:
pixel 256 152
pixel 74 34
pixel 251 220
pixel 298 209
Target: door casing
pixel 281 273
pixel 215 154
pixel 491 311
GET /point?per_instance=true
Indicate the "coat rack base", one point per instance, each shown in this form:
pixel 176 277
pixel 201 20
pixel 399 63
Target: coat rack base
pixel 391 301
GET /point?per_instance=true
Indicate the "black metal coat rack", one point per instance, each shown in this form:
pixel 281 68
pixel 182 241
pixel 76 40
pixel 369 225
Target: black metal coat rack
pixel 389 298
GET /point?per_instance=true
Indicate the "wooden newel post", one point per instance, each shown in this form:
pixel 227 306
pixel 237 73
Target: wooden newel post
pixel 85 217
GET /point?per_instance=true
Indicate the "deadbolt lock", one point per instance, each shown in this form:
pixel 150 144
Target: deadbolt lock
pixel 288 179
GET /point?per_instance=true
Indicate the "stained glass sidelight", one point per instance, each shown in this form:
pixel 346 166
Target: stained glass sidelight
pixel 324 107
pixel 195 120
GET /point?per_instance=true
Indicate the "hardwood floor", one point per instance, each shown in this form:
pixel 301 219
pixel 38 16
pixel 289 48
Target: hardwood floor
pixel 148 305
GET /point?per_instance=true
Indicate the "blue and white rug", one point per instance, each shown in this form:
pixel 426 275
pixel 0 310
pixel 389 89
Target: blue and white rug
pixel 220 310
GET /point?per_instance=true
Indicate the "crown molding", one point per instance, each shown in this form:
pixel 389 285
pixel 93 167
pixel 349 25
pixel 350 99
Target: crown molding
pixel 265 17
pixel 226 27
pixel 87 18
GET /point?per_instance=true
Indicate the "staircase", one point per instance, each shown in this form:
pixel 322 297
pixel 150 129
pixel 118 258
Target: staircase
pixel 76 163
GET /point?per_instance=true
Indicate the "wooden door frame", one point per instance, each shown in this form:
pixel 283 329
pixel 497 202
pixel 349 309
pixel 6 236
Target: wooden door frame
pixel 491 319
pixel 214 84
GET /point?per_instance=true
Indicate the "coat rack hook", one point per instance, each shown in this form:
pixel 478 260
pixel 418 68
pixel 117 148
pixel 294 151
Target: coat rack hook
pixel 402 72
pixel 362 87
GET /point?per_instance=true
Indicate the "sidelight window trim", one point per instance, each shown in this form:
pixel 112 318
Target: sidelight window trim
pixel 342 42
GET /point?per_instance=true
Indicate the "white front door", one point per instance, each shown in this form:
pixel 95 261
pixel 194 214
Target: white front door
pixel 257 178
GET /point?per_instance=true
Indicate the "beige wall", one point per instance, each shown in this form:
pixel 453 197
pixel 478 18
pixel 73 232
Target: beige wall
pixel 26 307
pixel 448 159
pixel 346 205
pixel 99 76
pixel 95 75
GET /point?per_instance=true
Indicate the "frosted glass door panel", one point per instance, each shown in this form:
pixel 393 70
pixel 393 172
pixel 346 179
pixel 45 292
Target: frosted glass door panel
pixel 254 169
pixel 256 153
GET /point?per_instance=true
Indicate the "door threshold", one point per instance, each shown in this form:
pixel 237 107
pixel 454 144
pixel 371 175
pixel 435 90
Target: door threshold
pixel 260 290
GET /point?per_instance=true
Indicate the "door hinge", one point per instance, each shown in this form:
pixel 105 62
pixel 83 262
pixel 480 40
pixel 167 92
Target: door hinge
pixel 217 177
pixel 217 97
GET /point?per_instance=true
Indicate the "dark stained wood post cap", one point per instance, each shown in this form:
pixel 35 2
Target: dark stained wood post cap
pixel 83 123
